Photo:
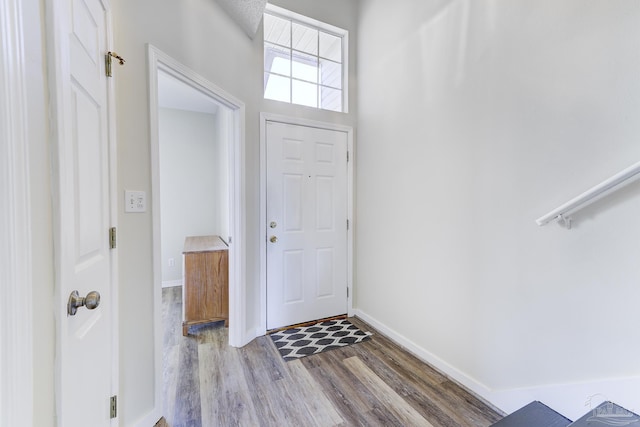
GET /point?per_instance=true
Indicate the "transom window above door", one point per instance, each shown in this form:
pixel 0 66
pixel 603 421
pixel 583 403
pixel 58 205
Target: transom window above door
pixel 305 61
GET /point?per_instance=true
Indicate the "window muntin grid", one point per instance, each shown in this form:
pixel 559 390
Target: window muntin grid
pixel 302 64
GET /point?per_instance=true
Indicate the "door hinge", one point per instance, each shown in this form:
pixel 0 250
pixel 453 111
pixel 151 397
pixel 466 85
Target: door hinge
pixel 347 224
pixel 347 292
pixel 108 59
pixel 347 157
pixel 113 407
pixel 112 237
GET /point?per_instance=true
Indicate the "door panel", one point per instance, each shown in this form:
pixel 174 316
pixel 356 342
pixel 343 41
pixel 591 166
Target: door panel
pixel 293 202
pixel 83 253
pixel 293 276
pixel 307 204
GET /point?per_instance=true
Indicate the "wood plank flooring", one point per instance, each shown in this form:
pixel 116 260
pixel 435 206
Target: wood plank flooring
pixel 374 383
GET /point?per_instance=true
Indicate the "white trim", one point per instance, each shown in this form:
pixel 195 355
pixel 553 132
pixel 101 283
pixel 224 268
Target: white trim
pixel 238 334
pixel 288 14
pixel 351 214
pixel 171 283
pixel 150 419
pixel 566 398
pixel 153 66
pixel 269 117
pixel 55 18
pixel 16 320
pixel 345 72
pixel 426 356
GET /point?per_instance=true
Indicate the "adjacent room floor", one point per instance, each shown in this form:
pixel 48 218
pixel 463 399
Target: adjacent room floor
pixel 374 383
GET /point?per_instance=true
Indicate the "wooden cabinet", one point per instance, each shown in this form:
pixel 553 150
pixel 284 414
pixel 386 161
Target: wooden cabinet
pixel 205 294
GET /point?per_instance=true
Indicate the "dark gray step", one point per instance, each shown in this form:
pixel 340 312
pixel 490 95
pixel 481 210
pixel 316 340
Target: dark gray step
pixel 535 414
pixel 608 414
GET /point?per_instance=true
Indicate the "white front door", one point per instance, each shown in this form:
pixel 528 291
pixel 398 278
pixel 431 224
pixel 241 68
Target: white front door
pixel 84 260
pixel 306 223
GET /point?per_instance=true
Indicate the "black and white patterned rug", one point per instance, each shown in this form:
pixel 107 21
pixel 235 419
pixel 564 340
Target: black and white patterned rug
pixel 295 343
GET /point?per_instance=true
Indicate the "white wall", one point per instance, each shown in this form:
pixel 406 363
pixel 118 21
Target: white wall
pixel 199 34
pixel 191 193
pixel 475 118
pixel 224 136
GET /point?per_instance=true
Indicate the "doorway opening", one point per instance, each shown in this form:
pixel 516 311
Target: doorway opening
pixel 197 134
pixel 193 137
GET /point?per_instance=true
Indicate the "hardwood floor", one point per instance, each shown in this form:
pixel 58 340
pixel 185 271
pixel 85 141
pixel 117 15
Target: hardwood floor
pixel 374 383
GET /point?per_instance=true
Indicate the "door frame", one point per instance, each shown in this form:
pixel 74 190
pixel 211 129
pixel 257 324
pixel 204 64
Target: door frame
pixel 238 336
pixel 297 121
pixel 17 331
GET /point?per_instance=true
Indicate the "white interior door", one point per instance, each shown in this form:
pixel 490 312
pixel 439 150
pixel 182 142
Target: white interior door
pixel 83 254
pixel 306 223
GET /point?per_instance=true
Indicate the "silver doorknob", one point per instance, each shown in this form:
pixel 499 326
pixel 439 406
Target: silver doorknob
pixel 273 239
pixel 91 301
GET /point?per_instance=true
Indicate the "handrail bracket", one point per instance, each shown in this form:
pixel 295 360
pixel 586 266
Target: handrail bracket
pixel 564 221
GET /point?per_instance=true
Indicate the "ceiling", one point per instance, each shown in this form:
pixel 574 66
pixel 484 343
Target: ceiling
pixel 246 13
pixel 172 93
pixel 175 94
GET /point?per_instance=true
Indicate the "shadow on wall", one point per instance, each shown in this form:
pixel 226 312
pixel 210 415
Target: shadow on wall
pixel 449 41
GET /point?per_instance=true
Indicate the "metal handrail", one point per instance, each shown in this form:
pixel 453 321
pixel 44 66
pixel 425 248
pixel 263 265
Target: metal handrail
pixel 607 186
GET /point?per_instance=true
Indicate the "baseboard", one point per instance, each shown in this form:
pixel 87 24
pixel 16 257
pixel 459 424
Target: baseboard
pixel 150 419
pixel 171 283
pixel 448 370
pixel 244 338
pixel 162 423
pixel 570 399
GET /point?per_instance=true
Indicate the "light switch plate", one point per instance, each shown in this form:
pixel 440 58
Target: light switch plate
pixel 135 201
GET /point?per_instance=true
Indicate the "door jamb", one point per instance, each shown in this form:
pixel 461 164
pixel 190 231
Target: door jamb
pixel 269 117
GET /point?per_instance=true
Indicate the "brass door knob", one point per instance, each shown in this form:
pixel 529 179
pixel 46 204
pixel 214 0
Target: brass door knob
pixel 273 239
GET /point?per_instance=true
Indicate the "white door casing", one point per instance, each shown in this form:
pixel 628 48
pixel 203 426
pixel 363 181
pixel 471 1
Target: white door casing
pixel 306 214
pixel 16 255
pixel 83 201
pixel 239 333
